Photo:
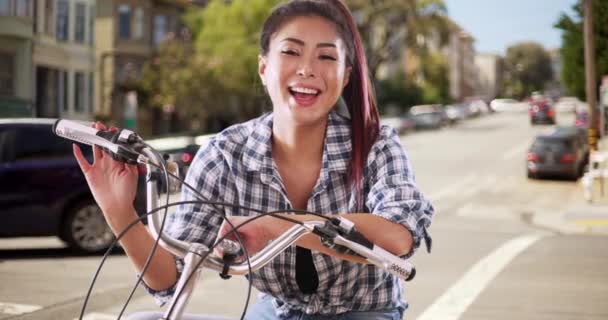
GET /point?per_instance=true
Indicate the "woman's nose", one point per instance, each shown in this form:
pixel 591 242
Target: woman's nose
pixel 306 71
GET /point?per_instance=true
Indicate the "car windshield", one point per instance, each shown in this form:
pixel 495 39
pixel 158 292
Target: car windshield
pixel 552 144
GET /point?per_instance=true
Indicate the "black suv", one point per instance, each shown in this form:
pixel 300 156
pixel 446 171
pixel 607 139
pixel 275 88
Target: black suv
pixel 43 191
pixel 562 152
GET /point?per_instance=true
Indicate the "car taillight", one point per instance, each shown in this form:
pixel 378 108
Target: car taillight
pixel 568 158
pixel 550 112
pixel 187 158
pixel 532 157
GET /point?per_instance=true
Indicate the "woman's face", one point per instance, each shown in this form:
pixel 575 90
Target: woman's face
pixel 304 70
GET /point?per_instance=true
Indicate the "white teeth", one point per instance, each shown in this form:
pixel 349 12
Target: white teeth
pixel 305 90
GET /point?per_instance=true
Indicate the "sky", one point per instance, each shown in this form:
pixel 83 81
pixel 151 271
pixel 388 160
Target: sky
pixel 497 24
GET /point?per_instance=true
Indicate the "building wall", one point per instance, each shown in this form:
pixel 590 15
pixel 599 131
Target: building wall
pixel 122 50
pixel 74 58
pixel 16 44
pixel 489 75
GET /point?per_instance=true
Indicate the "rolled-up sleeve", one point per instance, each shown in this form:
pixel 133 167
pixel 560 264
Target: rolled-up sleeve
pixel 393 193
pixel 196 222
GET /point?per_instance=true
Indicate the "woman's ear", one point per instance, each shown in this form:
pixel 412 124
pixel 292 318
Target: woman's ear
pixel 347 72
pixel 262 68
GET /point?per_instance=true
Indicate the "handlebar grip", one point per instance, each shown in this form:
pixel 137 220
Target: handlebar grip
pixel 395 265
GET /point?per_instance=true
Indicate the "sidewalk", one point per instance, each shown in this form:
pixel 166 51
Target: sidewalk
pixel 581 217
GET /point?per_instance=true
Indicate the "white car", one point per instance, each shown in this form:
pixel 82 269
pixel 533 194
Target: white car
pixel 508 105
pixel 567 104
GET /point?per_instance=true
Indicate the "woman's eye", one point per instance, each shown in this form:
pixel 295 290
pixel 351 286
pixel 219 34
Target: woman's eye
pixel 289 52
pixel 327 57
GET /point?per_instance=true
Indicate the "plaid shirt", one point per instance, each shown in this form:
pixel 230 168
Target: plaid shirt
pixel 236 166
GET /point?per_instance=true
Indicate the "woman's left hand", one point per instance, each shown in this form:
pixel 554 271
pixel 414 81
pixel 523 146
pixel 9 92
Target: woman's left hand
pixel 255 234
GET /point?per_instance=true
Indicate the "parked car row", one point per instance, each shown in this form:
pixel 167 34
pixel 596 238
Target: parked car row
pixel 436 116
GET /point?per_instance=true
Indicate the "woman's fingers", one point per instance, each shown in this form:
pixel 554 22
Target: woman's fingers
pixel 97 154
pixel 84 164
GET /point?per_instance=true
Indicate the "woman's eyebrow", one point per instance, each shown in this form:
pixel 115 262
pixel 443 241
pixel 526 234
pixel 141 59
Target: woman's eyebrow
pixel 302 43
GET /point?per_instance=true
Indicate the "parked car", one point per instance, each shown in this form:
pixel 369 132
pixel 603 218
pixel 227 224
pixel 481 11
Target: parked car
pixel 456 112
pixel 508 105
pixel 567 104
pixel 541 111
pixel 559 152
pixel 180 149
pixel 43 191
pixel 430 116
pixel 402 125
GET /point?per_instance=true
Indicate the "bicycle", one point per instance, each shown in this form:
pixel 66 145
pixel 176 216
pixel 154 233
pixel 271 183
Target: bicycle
pixel 128 147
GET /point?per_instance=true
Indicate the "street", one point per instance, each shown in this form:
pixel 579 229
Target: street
pixel 489 259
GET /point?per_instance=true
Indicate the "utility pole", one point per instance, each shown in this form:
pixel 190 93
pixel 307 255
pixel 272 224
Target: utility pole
pixel 590 84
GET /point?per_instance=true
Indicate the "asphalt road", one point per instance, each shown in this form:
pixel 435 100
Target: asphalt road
pixel 489 261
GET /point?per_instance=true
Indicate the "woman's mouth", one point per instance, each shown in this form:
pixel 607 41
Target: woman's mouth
pixel 304 96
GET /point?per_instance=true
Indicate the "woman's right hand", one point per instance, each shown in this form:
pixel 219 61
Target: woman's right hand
pixel 113 183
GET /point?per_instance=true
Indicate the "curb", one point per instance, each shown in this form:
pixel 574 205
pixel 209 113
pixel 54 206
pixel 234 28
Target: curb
pixel 587 220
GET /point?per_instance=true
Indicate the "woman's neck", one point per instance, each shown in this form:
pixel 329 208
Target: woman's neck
pixel 298 144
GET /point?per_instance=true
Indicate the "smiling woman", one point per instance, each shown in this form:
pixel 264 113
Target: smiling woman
pixel 303 155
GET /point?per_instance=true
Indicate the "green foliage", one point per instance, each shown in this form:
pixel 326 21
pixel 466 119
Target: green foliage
pixel 213 72
pixel 397 92
pixel 388 26
pixel 572 50
pixel 436 86
pixel 527 68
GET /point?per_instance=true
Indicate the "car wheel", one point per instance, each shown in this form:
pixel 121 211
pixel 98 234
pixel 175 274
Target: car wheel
pixel 531 175
pixel 85 229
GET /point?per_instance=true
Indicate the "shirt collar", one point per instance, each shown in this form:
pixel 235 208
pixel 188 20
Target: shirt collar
pixel 257 155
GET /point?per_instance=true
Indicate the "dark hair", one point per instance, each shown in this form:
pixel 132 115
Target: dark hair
pixel 358 94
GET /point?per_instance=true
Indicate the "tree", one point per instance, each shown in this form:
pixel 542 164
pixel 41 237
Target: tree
pixel 388 26
pixel 527 68
pixel 572 50
pixel 211 73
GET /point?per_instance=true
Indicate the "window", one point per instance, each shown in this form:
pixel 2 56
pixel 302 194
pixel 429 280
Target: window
pixel 160 28
pixel 5 7
pixel 80 23
pixel 92 24
pixel 49 22
pixel 79 92
pixel 138 32
pixel 7 73
pixel 63 15
pixel 39 143
pixel 22 7
pixel 62 91
pixel 124 21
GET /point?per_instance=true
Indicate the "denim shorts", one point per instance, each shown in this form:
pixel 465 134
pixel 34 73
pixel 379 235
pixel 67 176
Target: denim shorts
pixel 263 309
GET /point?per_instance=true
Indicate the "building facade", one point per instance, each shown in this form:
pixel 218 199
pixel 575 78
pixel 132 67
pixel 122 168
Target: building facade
pixel 16 68
pixel 128 33
pixel 489 75
pixel 460 54
pixel 63 58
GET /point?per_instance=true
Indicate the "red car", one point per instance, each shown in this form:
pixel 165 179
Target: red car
pixel 541 111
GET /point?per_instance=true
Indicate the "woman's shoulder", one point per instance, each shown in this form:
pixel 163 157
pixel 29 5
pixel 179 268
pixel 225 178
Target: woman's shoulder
pixel 232 141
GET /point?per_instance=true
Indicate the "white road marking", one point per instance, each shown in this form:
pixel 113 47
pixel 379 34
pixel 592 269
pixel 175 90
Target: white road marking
pixel 517 151
pixel 456 187
pixel 17 309
pixel 97 316
pixel 455 301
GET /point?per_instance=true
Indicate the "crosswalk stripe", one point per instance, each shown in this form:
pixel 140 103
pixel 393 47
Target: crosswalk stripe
pixel 455 301
pixel 455 187
pixel 97 316
pixel 17 309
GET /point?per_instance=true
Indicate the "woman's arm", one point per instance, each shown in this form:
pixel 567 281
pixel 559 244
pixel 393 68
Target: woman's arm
pixel 389 235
